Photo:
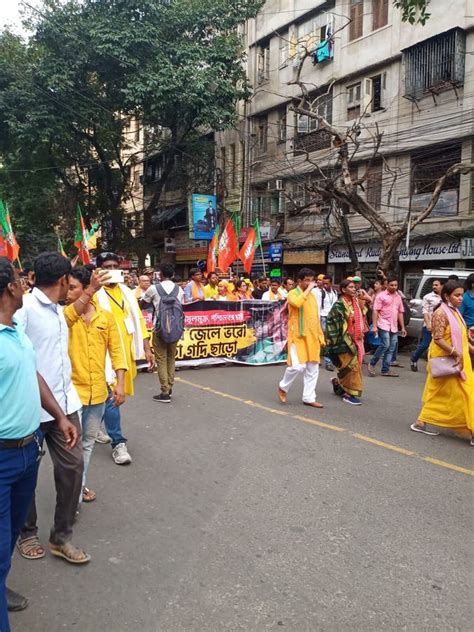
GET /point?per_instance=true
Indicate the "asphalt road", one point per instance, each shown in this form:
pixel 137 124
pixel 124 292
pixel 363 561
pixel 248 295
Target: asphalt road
pixel 239 513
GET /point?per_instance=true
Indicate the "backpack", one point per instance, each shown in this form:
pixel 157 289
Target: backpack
pixel 169 324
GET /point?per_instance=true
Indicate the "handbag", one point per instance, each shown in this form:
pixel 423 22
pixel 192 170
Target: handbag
pixel 444 366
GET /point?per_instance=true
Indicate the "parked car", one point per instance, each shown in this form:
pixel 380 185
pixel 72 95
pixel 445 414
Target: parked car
pixel 424 287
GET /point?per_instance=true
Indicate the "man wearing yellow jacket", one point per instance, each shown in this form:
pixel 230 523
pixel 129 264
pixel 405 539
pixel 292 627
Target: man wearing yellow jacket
pixel 92 334
pixel 305 339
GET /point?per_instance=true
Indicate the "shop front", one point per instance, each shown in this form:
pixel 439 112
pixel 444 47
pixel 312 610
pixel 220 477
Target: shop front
pixel 294 260
pixel 427 253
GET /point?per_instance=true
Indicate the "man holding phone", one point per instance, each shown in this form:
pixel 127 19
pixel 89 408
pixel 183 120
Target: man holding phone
pixel 118 299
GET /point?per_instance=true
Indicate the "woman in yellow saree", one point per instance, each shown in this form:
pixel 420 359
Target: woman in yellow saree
pixel 448 402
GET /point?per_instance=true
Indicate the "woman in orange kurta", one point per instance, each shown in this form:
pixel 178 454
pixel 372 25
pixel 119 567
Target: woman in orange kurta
pixel 305 339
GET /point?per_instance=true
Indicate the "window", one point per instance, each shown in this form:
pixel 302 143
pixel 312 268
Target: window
pixel 357 19
pixel 435 65
pixel 379 13
pixel 374 186
pixel 378 84
pixel 311 135
pixel 263 63
pixel 232 166
pixel 353 101
pixel 282 126
pixel 427 166
pixel 261 136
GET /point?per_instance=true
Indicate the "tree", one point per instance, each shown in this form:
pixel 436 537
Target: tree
pixel 69 92
pixel 413 11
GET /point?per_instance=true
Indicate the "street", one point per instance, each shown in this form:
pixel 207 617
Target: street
pixel 239 513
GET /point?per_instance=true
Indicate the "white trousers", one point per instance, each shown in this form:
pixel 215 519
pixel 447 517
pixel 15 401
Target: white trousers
pixel 310 371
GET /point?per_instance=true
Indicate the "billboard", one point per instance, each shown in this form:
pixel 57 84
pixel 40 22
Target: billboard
pixel 203 216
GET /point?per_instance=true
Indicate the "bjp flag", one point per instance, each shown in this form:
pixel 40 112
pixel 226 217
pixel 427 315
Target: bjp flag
pixel 228 247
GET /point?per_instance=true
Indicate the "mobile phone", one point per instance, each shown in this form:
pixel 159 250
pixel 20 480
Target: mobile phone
pixel 116 276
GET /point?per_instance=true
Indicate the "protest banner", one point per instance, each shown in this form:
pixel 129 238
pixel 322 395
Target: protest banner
pixel 245 332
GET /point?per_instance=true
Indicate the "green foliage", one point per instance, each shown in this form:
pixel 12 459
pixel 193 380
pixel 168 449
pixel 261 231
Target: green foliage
pixel 413 11
pixel 66 96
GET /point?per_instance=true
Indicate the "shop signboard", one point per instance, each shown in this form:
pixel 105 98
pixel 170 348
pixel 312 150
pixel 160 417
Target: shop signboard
pixel 417 251
pixel 304 257
pixel 467 248
pixel 275 251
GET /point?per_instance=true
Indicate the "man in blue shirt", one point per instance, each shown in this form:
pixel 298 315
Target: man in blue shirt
pixel 22 394
pixel 467 305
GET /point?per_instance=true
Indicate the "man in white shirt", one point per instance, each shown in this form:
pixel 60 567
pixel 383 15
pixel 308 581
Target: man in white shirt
pixel 165 352
pixel 326 296
pixel 44 323
pixel 274 293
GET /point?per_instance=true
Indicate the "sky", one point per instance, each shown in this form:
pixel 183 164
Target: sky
pixel 10 13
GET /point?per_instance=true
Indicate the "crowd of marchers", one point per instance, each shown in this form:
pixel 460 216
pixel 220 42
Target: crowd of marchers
pixel 72 340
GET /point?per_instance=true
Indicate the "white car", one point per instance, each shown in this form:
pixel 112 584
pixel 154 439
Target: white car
pixel 424 286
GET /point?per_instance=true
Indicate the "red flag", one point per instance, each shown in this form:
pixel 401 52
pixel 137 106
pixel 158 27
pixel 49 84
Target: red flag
pixel 212 254
pixel 8 244
pixel 228 247
pixel 247 252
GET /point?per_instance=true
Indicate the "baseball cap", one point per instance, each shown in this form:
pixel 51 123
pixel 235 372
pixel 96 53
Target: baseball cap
pixel 357 279
pixel 320 277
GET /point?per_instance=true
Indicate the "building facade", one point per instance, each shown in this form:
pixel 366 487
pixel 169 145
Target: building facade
pixel 413 83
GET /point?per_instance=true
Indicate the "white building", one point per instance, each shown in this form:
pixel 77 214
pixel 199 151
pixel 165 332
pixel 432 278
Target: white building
pixel 415 82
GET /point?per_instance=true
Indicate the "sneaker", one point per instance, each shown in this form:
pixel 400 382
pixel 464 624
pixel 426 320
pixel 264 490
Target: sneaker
pixel 120 454
pixel 330 367
pixel 416 428
pixel 164 398
pixel 413 366
pixel 103 437
pixel 350 399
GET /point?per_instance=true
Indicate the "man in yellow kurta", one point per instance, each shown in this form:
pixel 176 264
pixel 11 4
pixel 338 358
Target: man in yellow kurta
pixel 120 301
pixel 305 339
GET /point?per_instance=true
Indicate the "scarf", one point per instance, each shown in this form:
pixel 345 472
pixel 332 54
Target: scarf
pixel 197 291
pixel 357 332
pixel 456 332
pixel 133 309
pixel 274 297
pixel 298 290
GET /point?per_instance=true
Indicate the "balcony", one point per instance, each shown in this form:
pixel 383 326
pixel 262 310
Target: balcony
pixel 312 141
pixel 435 65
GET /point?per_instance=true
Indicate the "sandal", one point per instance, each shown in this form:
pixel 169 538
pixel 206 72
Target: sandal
pixel 390 374
pixel 88 495
pixel 30 548
pixel 69 552
pixel 371 370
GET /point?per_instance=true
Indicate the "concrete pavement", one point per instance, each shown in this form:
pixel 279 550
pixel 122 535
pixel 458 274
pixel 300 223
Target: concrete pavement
pixel 234 517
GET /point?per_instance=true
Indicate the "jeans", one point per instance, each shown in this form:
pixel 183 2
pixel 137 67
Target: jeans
pixel 324 319
pixel 386 348
pixel 112 422
pixel 18 474
pixel 68 466
pixel 423 344
pixel 165 354
pixel 91 419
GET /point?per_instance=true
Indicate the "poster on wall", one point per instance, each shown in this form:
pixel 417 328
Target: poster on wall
pixel 245 332
pixel 203 216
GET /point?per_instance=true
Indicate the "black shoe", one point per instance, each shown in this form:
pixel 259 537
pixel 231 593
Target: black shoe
pixel 15 601
pixel 164 398
pixel 413 366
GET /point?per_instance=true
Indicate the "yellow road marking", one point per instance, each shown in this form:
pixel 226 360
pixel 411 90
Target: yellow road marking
pixel 382 444
pixel 322 424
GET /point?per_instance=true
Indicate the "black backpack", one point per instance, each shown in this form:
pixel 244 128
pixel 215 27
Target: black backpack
pixel 169 325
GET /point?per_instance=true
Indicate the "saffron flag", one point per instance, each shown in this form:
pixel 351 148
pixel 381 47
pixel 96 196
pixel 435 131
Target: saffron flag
pixel 61 248
pixel 81 237
pixel 212 254
pixel 8 243
pixel 247 252
pixel 228 247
